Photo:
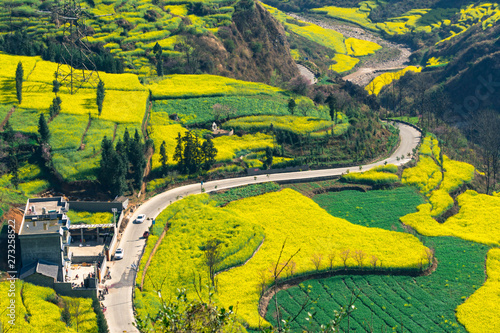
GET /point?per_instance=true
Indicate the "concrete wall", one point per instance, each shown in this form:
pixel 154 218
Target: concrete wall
pixel 46 247
pixel 64 289
pixel 87 259
pixel 40 280
pixel 96 206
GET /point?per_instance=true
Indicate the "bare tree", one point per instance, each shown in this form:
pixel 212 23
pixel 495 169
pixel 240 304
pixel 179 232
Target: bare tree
pixel 316 260
pixel 276 275
pixel 222 112
pixel 344 256
pixel 359 256
pixel 75 310
pixel 374 260
pixel 486 133
pixel 331 258
pixel 429 252
pixel 212 257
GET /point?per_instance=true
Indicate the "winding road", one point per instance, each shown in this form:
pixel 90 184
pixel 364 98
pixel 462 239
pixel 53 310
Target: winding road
pixel 119 314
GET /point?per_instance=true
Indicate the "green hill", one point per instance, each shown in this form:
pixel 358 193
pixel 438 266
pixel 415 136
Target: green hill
pixel 231 38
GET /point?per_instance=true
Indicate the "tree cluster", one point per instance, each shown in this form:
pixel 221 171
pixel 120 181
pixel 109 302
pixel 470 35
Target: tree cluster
pixel 191 155
pixel 124 161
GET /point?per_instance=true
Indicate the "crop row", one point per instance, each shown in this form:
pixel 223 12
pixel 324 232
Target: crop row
pixel 422 303
pixel 202 110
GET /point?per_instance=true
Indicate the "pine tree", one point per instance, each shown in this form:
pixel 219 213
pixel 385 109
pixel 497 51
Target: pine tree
pixel 178 156
pixel 209 153
pixel 137 159
pixel 100 96
pixel 55 107
pixel 106 169
pixel 55 86
pixel 19 82
pixel 119 182
pixel 189 153
pixel 159 59
pixel 332 105
pixel 269 158
pixel 291 105
pixel 137 137
pixel 199 156
pixel 163 157
pixel 43 129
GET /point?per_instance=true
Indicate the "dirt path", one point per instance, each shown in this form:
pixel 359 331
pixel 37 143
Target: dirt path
pixel 371 68
pixel 7 117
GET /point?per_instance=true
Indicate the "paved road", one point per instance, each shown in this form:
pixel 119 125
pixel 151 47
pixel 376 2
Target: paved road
pixel 119 301
pixel 307 74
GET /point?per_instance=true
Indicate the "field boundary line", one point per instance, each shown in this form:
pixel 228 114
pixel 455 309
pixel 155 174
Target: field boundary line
pixel 155 248
pixel 85 133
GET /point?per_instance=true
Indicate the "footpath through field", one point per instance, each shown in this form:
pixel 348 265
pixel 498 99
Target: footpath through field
pixel 119 312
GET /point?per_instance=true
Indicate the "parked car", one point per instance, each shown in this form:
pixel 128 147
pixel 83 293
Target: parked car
pixel 141 218
pixel 119 254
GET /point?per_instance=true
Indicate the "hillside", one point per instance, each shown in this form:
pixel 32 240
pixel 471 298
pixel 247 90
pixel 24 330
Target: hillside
pixel 233 38
pixel 359 193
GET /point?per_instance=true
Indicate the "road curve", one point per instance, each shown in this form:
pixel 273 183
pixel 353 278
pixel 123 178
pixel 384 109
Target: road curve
pixel 119 312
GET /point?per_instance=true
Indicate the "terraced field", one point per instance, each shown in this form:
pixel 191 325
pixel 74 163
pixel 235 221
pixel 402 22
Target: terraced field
pixel 389 302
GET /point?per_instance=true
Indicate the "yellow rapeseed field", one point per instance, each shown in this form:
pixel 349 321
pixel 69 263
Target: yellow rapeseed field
pixel 456 173
pixel 228 146
pixel 480 312
pixel 358 47
pixel 344 63
pixel 33 302
pixel 291 217
pixel 476 220
pixel 376 85
pixel 426 175
pixel 326 37
pixel 167 133
pixel 207 85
